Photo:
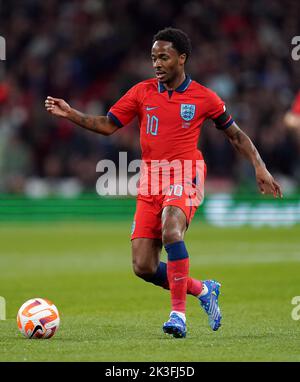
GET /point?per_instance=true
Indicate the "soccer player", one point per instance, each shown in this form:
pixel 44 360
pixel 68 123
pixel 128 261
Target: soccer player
pixel 171 109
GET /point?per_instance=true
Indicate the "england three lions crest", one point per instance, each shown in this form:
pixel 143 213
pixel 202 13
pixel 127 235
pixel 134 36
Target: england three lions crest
pixel 187 111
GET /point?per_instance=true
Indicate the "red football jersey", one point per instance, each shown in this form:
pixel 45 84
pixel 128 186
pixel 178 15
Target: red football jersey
pixel 170 121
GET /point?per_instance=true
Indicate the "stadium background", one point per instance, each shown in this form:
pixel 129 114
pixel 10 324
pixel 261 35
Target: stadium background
pixel 90 52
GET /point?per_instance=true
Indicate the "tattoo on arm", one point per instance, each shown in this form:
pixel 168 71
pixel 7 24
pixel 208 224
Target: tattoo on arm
pixel 98 124
pixel 238 136
pixel 244 145
pixel 88 122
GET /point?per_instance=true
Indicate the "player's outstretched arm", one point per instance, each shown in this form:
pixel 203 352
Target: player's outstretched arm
pixel 99 124
pixel 244 145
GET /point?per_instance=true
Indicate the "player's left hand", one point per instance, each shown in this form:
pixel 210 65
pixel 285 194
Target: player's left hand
pixel 267 184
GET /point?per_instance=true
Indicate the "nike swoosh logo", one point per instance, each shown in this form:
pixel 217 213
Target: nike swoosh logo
pixel 179 278
pixel 151 108
pixel 38 327
pixel 168 200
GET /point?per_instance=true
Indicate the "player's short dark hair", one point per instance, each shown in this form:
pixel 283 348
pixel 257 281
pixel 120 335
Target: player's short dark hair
pixel 177 37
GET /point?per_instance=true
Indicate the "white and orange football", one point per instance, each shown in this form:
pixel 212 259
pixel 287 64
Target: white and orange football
pixel 38 318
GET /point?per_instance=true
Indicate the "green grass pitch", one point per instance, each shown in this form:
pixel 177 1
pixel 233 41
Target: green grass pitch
pixel 108 314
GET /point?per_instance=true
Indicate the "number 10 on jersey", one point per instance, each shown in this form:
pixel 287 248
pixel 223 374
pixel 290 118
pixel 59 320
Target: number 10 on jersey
pixel 152 124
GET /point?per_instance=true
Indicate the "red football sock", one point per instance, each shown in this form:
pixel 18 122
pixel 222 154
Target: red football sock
pixel 178 271
pixel 194 287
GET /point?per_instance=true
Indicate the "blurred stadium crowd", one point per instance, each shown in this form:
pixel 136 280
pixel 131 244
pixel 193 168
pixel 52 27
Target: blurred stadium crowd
pixel 89 52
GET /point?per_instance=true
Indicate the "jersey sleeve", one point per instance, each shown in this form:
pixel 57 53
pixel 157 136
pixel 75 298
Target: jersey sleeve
pixel 216 111
pixel 126 108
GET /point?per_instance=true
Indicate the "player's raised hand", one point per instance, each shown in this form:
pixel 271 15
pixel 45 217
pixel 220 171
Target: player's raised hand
pixel 57 106
pixel 267 184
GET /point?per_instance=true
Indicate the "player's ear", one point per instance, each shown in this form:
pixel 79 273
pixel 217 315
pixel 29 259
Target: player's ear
pixel 182 58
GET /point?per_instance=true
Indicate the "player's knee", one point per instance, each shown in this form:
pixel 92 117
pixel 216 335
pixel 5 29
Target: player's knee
pixel 143 270
pixel 171 235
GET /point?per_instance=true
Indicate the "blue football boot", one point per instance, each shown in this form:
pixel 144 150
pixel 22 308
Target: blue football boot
pixel 175 326
pixel 209 303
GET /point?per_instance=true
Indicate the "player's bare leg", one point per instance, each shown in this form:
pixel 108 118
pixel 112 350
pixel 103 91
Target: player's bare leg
pixel 146 260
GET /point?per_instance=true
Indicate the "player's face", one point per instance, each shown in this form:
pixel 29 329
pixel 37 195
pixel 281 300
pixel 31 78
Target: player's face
pixel 167 63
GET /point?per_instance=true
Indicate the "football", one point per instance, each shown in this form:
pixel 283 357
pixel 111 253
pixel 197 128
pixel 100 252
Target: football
pixel 38 318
